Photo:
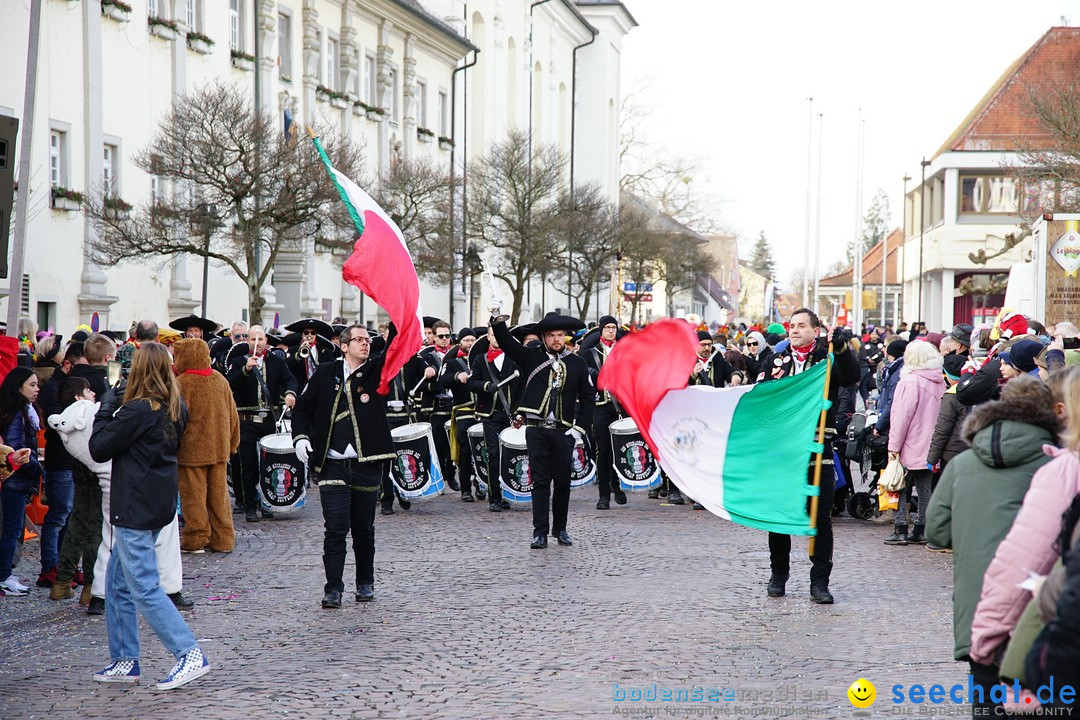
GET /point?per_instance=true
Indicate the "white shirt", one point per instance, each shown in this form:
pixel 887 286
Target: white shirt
pixel 350 451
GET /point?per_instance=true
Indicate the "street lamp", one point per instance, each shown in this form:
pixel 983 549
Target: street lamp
pixel 207 217
pixel 922 231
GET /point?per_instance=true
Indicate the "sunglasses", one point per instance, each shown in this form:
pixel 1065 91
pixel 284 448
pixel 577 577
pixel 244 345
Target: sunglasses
pixel 442 336
pixel 751 344
pixel 239 337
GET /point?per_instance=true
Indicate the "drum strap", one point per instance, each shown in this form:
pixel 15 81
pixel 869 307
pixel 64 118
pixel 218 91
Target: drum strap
pixel 543 366
pixel 262 383
pixel 498 390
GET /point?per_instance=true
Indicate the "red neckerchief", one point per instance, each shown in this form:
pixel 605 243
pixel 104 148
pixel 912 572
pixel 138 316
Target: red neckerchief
pixel 607 344
pixel 442 352
pixel 801 353
pixel 462 354
pixel 205 372
pixel 493 353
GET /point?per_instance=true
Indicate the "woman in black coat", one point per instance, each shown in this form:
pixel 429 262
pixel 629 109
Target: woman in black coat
pixel 141 436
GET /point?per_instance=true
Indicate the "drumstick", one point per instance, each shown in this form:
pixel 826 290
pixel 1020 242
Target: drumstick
pixel 517 373
pixel 413 391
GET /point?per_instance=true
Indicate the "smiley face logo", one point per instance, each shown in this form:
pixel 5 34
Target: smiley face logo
pixel 862 693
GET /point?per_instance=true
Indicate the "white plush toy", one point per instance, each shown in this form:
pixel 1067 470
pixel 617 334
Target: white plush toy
pixel 75 425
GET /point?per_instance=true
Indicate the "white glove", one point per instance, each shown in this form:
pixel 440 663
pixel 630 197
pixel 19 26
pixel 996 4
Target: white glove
pixel 574 433
pixel 303 450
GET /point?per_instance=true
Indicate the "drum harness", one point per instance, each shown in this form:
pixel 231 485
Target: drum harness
pixel 558 374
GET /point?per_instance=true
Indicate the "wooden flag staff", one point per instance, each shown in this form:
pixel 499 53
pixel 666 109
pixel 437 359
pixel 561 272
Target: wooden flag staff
pixel 816 498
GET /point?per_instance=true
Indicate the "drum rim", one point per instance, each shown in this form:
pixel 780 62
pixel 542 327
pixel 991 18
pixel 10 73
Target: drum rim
pixel 416 434
pixel 290 447
pixel 618 426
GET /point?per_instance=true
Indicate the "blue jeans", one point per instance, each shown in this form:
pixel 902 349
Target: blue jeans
pixel 60 491
pixel 14 510
pixel 133 583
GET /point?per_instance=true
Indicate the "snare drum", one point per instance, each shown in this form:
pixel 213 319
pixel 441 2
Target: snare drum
pixel 633 461
pixel 478 446
pixel 413 471
pixel 582 467
pixel 282 477
pixel 514 466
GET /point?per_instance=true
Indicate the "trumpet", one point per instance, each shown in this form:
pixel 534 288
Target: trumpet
pixel 487 289
pixel 304 351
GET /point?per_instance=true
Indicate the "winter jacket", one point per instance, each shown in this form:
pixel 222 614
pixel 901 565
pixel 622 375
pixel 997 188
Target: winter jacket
pixel 914 413
pixel 1047 597
pixel 870 354
pixel 981 386
pixel 948 440
pixel 1056 652
pixel 96 375
pixel 889 379
pixel 980 493
pixel 1029 546
pixel 56 454
pixel 142 443
pixel 213 431
pixel 27 477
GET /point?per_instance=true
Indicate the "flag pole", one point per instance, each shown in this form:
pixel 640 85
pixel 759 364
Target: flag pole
pixel 815 499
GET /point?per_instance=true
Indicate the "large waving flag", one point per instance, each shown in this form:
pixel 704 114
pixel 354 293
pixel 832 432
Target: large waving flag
pixel 381 267
pixel 742 452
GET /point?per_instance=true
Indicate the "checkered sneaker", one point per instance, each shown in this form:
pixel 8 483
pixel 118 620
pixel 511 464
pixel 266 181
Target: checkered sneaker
pixel 190 666
pixel 121 671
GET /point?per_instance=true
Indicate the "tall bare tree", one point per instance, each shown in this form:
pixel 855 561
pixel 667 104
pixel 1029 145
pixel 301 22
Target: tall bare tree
pixel 639 252
pixel 588 236
pixel 214 150
pixel 416 194
pixel 682 259
pixel 513 210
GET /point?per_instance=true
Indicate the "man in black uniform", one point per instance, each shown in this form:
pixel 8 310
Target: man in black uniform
pixel 313 349
pixel 259 380
pixel 557 406
pixel 339 424
pixel 434 404
pixel 607 412
pixel 497 390
pixel 804 350
pixel 712 368
pixel 454 376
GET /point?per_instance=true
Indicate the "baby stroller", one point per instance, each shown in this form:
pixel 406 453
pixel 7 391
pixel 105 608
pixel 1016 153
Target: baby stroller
pixel 872 454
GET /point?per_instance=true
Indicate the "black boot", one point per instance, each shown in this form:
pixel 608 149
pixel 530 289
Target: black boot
pixel 675 496
pixel 899 536
pixel 452 483
pixel 776 585
pixel 917 536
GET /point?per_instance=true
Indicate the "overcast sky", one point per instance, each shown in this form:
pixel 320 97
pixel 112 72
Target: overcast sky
pixel 728 82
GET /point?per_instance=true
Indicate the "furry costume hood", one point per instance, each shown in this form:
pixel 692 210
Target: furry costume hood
pixel 1011 431
pixel 191 354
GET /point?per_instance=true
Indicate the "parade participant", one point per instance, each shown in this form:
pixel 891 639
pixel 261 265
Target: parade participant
pixel 313 349
pixel 804 350
pixel 556 406
pixel 712 367
pixel 496 384
pixel 398 413
pixel 141 438
pixel 606 412
pixel 145 331
pixel 238 333
pixel 340 428
pixel 454 376
pixel 213 434
pixel 195 327
pixel 434 404
pixel 259 380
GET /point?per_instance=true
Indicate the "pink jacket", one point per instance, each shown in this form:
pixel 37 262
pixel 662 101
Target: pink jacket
pixel 1028 546
pixel 914 414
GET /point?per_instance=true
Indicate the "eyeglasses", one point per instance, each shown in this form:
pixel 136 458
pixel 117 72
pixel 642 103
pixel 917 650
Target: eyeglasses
pixel 705 343
pixel 752 344
pixel 442 336
pixel 361 340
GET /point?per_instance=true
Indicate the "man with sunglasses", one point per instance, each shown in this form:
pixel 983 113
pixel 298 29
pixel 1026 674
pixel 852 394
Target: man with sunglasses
pixel 220 349
pixel 340 428
pixel 434 404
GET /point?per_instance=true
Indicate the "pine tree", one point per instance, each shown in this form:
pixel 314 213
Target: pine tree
pixel 875 224
pixel 762 261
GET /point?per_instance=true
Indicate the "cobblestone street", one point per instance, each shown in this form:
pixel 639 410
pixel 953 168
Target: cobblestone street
pixel 468 622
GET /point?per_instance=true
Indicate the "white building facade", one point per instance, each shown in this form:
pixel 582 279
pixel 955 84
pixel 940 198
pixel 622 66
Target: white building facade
pixel 449 78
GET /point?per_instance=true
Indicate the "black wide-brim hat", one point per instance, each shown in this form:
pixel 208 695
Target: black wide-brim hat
pixel 319 326
pixel 480 347
pixel 554 321
pixel 209 327
pixel 429 321
pixel 237 350
pixel 592 337
pixel 518 332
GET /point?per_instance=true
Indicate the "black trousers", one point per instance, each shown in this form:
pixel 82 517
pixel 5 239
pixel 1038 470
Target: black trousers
pixel 247 457
pixel 549 465
pixel 493 425
pixel 388 490
pixel 442 441
pixel 346 507
pixel 984 677
pixel 603 416
pixel 780 545
pixel 462 423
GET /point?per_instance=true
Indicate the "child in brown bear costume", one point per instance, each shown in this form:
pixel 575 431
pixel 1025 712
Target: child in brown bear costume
pixel 213 433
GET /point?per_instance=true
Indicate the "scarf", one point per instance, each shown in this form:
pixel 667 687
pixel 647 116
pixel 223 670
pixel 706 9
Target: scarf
pixel 493 353
pixel 462 354
pixel 205 372
pixel 802 353
pixel 607 344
